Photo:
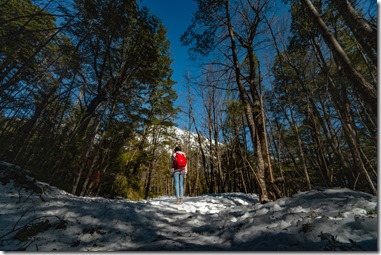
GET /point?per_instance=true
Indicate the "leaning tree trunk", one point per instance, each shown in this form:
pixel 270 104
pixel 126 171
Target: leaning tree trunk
pixel 362 31
pixel 342 107
pixel 367 91
pixel 354 144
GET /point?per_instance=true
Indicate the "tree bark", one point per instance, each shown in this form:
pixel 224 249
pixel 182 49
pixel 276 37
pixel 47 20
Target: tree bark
pixel 366 91
pixel 260 123
pixel 342 106
pixel 362 31
pixel 260 167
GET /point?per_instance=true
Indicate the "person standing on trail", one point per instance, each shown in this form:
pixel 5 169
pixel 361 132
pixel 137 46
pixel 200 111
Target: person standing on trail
pixel 178 171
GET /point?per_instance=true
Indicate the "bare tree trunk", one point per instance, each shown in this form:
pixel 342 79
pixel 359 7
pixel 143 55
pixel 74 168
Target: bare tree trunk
pixel 149 178
pixel 89 174
pixel 260 166
pixel 300 148
pixel 78 175
pixel 84 160
pixel 367 91
pixel 342 105
pixel 349 129
pixel 292 122
pixel 327 175
pixel 260 123
pixel 332 89
pixel 277 148
pixel 203 156
pixel 364 33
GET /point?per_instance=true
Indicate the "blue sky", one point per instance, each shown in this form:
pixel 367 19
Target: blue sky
pixel 176 16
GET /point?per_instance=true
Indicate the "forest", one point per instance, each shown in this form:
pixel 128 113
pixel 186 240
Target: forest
pixel 289 102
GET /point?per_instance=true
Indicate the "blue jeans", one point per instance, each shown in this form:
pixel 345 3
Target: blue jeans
pixel 179 184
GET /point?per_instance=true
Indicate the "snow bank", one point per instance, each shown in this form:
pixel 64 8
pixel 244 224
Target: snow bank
pixel 39 217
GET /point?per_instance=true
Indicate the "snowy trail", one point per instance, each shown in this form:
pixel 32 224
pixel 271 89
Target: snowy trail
pixel 39 217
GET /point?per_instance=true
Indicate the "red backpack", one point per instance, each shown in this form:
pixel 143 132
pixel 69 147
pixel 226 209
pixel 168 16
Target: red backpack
pixel 180 161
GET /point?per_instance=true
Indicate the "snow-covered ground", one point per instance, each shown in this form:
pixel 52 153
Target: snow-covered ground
pixel 38 217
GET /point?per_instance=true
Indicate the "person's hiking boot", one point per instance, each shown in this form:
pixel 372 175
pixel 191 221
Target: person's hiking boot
pixel 181 201
pixel 177 200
